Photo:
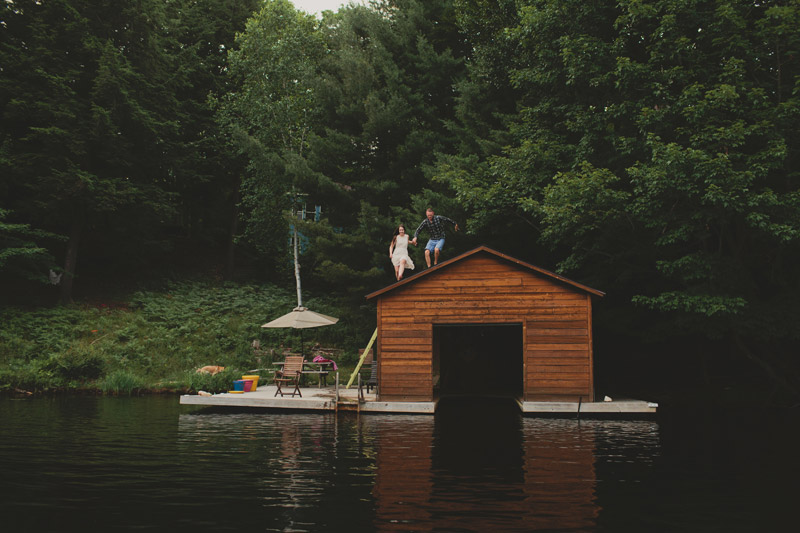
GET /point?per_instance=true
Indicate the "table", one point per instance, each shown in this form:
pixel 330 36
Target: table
pixel 310 367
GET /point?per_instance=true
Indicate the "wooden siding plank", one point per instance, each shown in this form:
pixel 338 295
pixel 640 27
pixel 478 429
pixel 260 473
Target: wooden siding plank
pixel 399 350
pixel 404 341
pixel 398 365
pixel 555 339
pixel 409 381
pixel 551 347
pixel 558 369
pixel 534 332
pixel 574 391
pixel 397 321
pixel 556 324
pixel 557 363
pixel 413 373
pixel 417 360
pixel 557 354
pixel 405 333
pixel 556 383
pixel 541 377
pixel 421 392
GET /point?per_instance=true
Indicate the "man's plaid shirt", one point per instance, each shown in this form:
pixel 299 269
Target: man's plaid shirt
pixel 434 227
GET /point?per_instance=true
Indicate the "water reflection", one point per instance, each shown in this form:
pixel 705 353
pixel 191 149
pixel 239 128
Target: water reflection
pixel 403 484
pixel 74 463
pixel 479 465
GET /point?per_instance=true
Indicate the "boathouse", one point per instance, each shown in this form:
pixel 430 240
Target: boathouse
pixel 485 323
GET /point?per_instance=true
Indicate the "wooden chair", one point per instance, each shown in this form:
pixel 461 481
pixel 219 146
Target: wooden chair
pixel 290 373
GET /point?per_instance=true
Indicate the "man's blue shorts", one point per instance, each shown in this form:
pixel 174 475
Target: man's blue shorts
pixel 435 244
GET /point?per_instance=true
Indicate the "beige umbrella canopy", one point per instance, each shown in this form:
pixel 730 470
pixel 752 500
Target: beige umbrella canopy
pixel 301 318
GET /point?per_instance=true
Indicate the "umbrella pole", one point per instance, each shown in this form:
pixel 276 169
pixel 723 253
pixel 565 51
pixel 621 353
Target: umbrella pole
pixel 297 269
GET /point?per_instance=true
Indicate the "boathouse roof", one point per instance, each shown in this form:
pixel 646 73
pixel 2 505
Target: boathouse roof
pixel 484 250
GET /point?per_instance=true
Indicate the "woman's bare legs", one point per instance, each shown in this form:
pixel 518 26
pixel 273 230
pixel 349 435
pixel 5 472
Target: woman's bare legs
pixel 401 269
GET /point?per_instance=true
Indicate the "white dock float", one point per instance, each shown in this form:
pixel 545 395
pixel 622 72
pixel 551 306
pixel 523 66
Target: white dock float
pixel 612 407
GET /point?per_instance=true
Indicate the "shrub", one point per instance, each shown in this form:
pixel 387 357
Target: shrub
pixel 76 364
pixel 122 382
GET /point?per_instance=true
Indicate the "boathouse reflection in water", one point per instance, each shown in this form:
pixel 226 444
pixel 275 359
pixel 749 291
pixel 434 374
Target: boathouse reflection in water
pixel 476 465
pixel 479 469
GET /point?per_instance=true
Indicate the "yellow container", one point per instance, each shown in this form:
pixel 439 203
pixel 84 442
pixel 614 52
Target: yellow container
pixel 255 382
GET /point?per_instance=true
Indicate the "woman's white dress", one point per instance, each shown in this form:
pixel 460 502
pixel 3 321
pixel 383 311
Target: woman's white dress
pixel 401 251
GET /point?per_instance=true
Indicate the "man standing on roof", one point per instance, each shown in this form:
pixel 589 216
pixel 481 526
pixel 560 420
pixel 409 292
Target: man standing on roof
pixel 433 223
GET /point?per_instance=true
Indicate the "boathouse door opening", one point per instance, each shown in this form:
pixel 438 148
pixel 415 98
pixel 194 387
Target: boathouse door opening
pixel 478 360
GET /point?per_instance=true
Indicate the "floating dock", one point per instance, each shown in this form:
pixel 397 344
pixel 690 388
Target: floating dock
pixel 313 399
pixel 329 399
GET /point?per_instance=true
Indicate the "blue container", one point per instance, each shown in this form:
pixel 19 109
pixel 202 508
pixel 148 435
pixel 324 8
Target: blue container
pixel 238 385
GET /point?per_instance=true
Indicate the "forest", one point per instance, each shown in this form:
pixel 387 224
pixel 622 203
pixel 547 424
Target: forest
pixel 646 148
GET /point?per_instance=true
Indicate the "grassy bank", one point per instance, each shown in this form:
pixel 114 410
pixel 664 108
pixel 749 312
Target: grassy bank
pixel 155 340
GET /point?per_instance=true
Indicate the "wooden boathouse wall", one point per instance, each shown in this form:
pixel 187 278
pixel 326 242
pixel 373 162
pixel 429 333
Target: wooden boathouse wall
pixel 484 287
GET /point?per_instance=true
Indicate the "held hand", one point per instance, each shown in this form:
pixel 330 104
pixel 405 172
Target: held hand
pixel 456 227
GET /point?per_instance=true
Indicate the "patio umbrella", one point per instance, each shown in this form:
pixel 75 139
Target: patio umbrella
pixel 301 318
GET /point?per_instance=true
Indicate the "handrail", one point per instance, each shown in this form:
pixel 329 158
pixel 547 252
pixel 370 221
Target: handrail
pixel 361 359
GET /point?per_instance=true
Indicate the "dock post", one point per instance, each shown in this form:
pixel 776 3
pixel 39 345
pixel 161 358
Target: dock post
pixel 580 401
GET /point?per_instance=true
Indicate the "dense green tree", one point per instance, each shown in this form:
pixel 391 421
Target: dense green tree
pixel 106 135
pixel 653 147
pixel 86 115
pixel 207 173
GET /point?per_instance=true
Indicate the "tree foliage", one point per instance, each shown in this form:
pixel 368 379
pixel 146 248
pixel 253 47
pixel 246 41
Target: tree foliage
pixel 653 148
pixel 97 102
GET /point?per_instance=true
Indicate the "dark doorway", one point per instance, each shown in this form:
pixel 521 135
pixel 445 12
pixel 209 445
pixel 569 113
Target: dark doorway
pixel 478 360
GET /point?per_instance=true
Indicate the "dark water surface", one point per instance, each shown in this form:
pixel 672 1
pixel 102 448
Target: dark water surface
pixel 86 463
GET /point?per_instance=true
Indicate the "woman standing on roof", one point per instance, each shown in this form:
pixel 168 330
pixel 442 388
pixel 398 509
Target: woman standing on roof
pixel 398 252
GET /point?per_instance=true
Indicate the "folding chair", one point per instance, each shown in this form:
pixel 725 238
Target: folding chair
pixel 291 372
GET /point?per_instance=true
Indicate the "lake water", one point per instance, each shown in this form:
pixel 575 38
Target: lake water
pixel 93 463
